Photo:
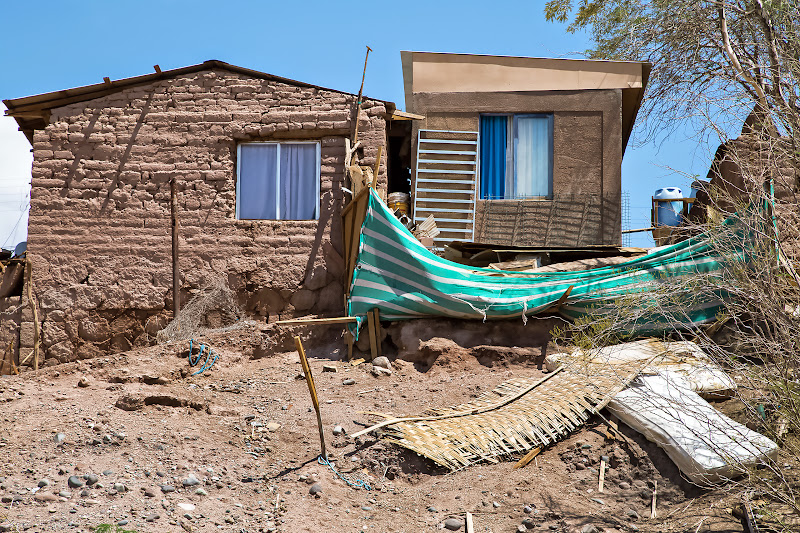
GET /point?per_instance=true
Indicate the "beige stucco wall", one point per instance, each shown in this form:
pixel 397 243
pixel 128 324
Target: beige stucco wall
pixel 587 160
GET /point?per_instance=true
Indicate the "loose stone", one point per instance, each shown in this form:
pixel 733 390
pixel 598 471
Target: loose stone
pixel 75 482
pixel 453 524
pixel 315 489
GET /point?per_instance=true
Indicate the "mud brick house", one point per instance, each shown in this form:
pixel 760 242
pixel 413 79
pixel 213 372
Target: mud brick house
pixel 258 162
pixel 519 150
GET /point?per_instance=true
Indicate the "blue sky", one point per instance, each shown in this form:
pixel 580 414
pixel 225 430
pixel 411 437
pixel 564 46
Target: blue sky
pixel 321 42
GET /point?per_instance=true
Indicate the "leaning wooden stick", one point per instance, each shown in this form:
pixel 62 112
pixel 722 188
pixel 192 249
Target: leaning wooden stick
pixel 603 461
pixel 313 390
pixel 653 503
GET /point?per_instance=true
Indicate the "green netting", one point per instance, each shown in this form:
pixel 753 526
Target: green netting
pixel 399 276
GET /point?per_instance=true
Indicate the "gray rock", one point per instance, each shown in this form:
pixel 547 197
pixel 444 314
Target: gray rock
pixel 598 501
pixel 91 479
pixel 315 489
pixel 528 523
pixel 44 482
pixel 453 524
pixel 382 362
pixel 527 509
pixel 200 491
pixel 108 472
pixel 85 493
pixel 366 508
pixel 120 487
pixel 338 430
pixel 152 517
pixel 75 482
pixel 167 488
pixel 122 522
pixel 631 514
pixel 58 438
pixel 349 381
pixel 496 504
pixel 624 485
pixel 522 529
pixel 433 509
pixel 65 494
pixel 590 528
pixel 190 481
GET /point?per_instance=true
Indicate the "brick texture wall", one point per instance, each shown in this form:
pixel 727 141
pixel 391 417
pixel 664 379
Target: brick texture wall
pixel 99 230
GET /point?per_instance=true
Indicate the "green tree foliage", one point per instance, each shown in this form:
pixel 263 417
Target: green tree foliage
pixel 711 59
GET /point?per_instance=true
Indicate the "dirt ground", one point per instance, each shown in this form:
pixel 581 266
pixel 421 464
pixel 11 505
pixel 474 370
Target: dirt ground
pixel 235 449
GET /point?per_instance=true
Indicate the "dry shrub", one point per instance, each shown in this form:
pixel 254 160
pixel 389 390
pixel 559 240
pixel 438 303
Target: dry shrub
pixel 213 308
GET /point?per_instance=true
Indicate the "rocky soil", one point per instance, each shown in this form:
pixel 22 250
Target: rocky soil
pixel 137 440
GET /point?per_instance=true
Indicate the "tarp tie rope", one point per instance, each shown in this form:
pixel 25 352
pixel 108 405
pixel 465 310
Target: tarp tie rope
pixel 357 484
pixel 208 363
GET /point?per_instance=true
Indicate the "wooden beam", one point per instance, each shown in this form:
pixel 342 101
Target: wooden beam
pixel 377 325
pixel 377 168
pixel 373 341
pixel 34 308
pixel 348 337
pixel 528 457
pixel 308 321
pixel 312 390
pixel 176 275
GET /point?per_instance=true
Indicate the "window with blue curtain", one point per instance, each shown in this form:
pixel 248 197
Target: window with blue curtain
pixel 516 154
pixel 278 181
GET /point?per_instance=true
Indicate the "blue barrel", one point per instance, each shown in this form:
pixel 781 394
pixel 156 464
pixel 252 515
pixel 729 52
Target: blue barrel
pixel 669 213
pixel 698 185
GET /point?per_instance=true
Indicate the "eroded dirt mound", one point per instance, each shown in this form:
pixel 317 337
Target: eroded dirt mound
pixel 130 446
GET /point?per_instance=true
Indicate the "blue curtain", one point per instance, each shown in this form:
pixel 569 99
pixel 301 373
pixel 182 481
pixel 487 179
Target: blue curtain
pixel 258 181
pixel 533 148
pixel 494 133
pixel 299 197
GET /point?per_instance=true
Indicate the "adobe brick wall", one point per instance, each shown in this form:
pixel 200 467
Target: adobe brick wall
pixel 99 229
pixel 587 162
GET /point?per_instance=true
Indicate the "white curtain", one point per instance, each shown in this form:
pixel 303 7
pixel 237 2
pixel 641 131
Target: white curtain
pixel 258 166
pixel 298 176
pixel 532 155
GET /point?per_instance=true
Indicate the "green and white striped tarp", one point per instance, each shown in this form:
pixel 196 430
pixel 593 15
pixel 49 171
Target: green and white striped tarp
pixel 397 274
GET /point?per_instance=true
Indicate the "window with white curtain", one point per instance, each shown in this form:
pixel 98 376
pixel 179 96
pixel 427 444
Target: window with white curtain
pixel 516 156
pixel 278 181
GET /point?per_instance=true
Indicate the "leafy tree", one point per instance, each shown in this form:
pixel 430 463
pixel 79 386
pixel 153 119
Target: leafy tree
pixel 715 60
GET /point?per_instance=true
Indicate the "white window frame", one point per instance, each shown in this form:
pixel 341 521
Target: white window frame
pixel 511 161
pixel 278 177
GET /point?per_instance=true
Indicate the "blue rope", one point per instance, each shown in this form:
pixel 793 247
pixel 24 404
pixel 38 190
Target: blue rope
pixel 208 363
pixel 358 483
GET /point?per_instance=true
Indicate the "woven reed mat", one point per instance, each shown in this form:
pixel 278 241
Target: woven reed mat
pixel 518 415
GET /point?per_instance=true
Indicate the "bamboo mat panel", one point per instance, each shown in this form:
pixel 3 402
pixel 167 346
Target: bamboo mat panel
pixel 516 416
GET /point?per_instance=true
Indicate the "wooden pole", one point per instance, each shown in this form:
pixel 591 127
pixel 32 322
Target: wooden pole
pixel 176 275
pixel 358 100
pixel 312 390
pixel 32 302
pixel 601 481
pixel 377 168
